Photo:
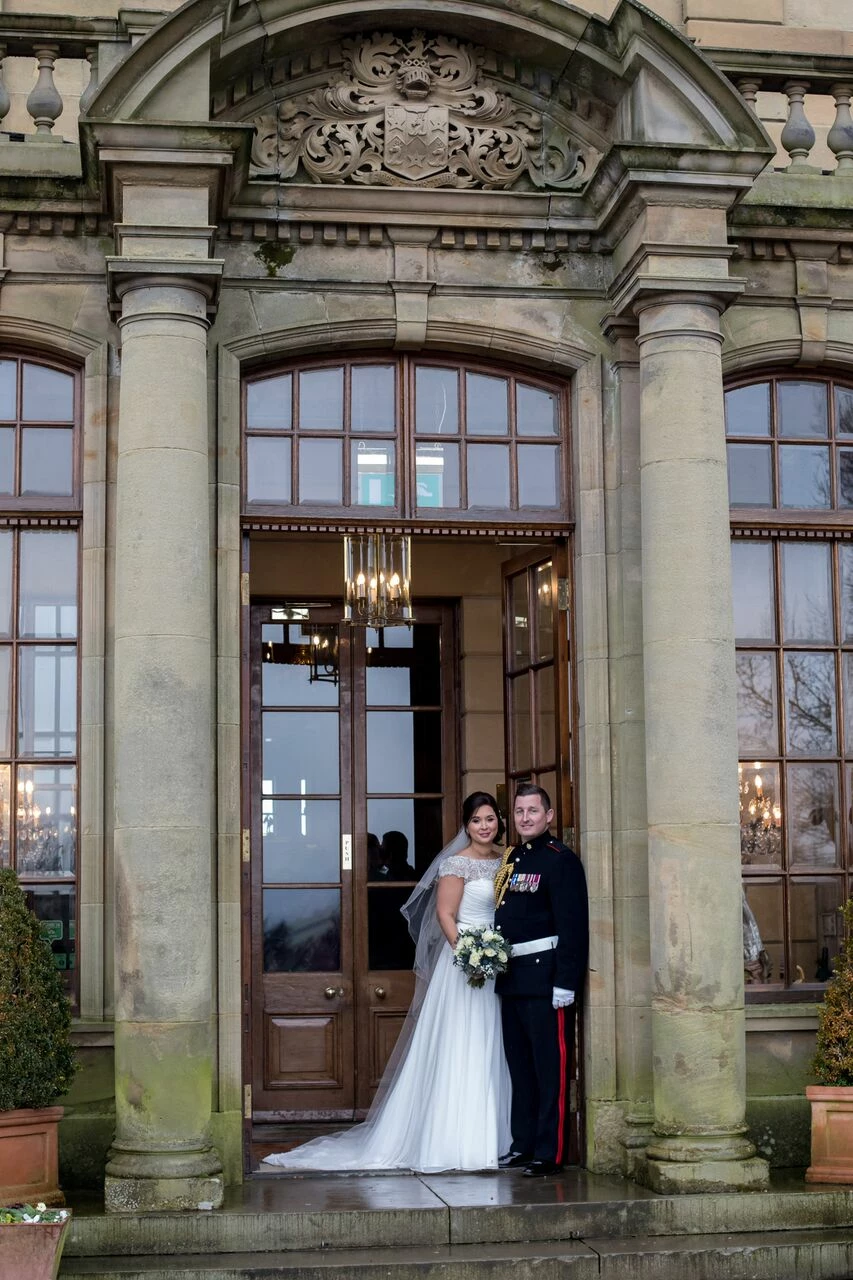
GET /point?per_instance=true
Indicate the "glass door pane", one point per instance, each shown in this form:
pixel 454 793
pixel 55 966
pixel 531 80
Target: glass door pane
pixel 404 731
pixel 536 679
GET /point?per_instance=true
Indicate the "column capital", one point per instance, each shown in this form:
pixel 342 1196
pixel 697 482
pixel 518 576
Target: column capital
pixel 203 276
pixel 636 294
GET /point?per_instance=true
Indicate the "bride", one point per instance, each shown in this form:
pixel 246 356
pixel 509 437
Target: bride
pixel 443 1101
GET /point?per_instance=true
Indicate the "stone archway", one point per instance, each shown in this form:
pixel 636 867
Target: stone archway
pixel 615 140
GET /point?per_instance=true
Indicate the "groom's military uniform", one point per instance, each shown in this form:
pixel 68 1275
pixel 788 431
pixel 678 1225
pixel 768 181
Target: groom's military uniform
pixel 542 909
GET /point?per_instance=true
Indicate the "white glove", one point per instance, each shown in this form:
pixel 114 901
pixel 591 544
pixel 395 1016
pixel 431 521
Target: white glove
pixel 562 998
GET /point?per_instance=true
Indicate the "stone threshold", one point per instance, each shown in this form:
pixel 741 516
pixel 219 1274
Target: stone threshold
pixel 292 1214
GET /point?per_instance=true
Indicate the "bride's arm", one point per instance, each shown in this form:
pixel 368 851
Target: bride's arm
pixel 448 897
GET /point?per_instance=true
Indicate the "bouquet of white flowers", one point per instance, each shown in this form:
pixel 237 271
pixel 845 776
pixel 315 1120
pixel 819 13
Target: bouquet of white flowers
pixel 481 952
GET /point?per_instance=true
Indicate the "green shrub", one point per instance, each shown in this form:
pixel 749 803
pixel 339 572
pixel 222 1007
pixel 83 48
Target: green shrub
pixel 833 1060
pixel 36 1059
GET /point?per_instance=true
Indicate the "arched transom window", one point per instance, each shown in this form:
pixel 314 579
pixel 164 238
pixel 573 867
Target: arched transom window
pixel 405 437
pixel 791 444
pixel 791 490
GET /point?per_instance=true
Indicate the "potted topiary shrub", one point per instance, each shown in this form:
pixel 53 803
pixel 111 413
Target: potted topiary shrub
pixel 31 1240
pixel 832 1097
pixel 36 1058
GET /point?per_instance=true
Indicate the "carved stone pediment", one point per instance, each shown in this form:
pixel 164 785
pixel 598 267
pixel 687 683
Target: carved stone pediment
pixel 415 110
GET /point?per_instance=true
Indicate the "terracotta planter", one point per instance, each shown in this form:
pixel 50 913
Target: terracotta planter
pixel 29 1157
pixel 832 1133
pixel 31 1249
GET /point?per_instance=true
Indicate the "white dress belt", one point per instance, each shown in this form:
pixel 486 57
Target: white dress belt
pixel 537 944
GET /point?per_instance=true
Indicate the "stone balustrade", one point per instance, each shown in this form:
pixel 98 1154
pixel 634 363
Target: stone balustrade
pixel 50 67
pixel 805 105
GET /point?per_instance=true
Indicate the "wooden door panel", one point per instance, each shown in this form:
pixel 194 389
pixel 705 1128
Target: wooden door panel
pixel 386 999
pixel 303 1052
pixel 387 1025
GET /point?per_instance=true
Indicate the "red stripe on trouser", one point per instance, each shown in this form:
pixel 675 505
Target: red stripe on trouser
pixel 561 1114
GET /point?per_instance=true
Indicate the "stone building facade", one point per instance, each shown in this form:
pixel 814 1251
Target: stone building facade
pixel 565 295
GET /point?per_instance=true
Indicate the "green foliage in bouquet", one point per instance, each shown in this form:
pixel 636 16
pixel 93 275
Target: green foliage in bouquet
pixel 36 1058
pixel 833 1060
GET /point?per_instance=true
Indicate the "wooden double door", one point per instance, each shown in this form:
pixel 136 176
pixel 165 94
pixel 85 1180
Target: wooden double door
pixel 353 778
pixel 354 788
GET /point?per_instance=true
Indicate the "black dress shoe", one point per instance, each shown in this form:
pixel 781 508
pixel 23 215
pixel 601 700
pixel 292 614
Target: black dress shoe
pixel 513 1160
pixel 541 1169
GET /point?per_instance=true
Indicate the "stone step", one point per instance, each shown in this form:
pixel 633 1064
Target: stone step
pixel 781 1255
pixel 288 1214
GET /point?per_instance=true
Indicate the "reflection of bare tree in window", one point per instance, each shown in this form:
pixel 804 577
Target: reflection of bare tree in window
pixel 756 702
pixel 846 553
pixel 843 411
pixel 845 477
pixel 813 814
pixel 810 698
pixel 807 592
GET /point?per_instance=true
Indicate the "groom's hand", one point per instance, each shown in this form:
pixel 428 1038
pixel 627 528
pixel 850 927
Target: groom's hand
pixel 561 998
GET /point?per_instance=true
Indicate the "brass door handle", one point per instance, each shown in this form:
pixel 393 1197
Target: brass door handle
pixel 331 992
pixel 379 992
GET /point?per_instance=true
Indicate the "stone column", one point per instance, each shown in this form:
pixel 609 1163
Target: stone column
pixel 165 980
pixel 700 1141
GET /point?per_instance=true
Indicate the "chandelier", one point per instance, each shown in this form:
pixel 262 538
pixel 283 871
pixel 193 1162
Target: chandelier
pixel 760 816
pixel 377 580
pixel 44 838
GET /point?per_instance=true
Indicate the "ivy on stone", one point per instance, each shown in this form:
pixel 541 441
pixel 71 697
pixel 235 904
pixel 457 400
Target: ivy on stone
pixel 36 1059
pixel 833 1060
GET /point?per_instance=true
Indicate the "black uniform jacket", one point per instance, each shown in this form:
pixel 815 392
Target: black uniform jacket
pixel 546 895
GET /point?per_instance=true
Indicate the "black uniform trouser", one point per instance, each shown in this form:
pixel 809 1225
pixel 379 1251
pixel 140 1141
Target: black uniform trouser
pixel 539 1044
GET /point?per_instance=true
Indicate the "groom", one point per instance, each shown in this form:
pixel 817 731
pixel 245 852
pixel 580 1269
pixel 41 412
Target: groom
pixel 541 907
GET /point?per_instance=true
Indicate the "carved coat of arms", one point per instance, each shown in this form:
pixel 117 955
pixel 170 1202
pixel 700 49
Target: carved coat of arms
pixel 417 140
pixel 415 110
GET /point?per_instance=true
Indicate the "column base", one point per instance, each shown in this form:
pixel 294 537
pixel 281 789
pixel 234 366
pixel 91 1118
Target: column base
pixel 673 1178
pixel 690 1165
pixel 150 1181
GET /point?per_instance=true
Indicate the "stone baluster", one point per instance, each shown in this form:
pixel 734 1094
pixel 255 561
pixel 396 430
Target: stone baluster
pixel 45 102
pixel 798 136
pixel 91 88
pixel 840 137
pixel 5 100
pixel 749 91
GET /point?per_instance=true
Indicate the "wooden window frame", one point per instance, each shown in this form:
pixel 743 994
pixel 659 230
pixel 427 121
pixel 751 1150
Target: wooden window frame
pixel 779 526
pixel 48 512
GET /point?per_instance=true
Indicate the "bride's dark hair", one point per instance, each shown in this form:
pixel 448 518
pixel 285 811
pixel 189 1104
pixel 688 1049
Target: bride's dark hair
pixel 475 801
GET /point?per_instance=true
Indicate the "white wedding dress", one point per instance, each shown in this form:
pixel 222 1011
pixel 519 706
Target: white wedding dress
pixel 447 1106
